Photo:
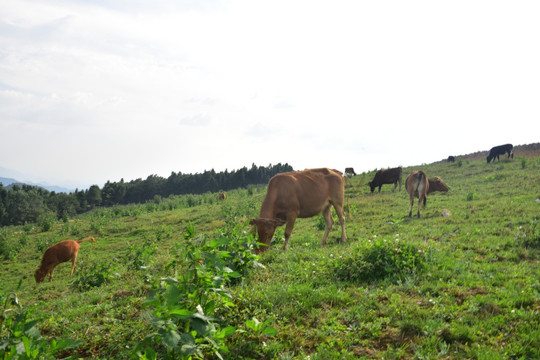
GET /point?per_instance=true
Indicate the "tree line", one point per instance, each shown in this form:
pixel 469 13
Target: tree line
pixel 22 204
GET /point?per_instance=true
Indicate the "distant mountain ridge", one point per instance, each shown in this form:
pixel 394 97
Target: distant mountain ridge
pixel 8 183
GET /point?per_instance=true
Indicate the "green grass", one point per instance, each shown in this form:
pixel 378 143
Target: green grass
pixel 463 286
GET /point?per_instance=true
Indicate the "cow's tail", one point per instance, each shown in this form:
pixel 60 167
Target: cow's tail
pixel 419 181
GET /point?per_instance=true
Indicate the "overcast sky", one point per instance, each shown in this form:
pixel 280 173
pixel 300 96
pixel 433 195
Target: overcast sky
pixel 92 91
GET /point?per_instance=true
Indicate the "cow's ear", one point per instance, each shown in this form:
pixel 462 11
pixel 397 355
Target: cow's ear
pixel 279 222
pixel 253 222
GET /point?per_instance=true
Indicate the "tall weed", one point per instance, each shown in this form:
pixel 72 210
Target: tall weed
pixel 188 311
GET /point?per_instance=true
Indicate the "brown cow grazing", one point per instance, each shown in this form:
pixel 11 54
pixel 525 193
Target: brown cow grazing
pixel 349 171
pixel 388 176
pixel 418 185
pixel 222 196
pixel 437 184
pixel 300 194
pixel 63 251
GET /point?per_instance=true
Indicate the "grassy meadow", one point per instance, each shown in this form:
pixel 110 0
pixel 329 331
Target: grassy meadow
pixel 175 278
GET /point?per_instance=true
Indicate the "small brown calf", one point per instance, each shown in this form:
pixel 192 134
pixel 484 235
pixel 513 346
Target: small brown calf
pixel 63 251
pixel 222 196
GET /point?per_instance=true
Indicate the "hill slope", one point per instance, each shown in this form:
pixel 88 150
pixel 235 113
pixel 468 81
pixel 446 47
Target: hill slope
pixel 463 286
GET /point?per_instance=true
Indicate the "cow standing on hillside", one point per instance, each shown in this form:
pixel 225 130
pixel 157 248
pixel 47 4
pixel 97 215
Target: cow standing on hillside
pixel 418 185
pixel 300 194
pixel 500 150
pixel 349 171
pixel 389 176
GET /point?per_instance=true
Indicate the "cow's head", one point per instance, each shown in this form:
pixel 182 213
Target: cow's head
pixel 266 229
pixel 437 184
pixel 372 186
pixel 40 274
pixel 489 157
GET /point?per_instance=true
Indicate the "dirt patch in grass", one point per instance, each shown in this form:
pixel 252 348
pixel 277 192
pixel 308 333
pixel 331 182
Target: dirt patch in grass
pixel 461 296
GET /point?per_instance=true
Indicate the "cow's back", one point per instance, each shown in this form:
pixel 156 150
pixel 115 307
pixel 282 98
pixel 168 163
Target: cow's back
pixel 61 252
pixel 417 183
pixel 302 192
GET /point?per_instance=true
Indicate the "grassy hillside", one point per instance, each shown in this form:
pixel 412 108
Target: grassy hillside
pixel 159 282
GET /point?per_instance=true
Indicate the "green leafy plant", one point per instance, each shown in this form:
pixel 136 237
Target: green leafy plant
pixel 381 259
pixel 188 311
pixel 19 336
pixel 140 257
pixel 261 328
pixel 95 276
pixel 8 248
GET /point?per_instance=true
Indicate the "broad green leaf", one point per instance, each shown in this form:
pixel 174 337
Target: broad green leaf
pixel 187 339
pixel 188 349
pixel 181 313
pixel 228 331
pixel 173 295
pixel 170 338
pixel 269 331
pixel 201 327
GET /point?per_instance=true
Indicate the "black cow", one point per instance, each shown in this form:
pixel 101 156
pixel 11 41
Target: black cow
pixel 451 158
pixel 389 176
pixel 500 150
pixel 349 171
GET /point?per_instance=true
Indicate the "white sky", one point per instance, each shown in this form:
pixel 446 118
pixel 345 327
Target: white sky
pixel 92 91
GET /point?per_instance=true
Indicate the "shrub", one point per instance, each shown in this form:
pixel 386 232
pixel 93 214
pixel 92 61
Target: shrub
pixel 42 244
pixel 529 236
pixel 379 260
pixel 140 257
pixel 95 276
pixel 47 222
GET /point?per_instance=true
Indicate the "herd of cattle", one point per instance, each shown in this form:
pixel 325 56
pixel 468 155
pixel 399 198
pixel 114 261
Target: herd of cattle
pixel 292 195
pixel 303 194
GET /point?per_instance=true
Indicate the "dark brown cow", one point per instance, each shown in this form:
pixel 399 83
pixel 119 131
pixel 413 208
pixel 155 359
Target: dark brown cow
pixel 418 185
pixel 300 194
pixel 388 176
pixel 222 196
pixel 349 171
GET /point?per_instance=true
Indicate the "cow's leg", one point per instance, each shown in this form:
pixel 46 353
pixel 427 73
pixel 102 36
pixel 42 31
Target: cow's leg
pixel 327 214
pixel 419 204
pixel 380 186
pixel 291 218
pixel 51 273
pixel 341 216
pixel 411 201
pixel 395 186
pixel 73 263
